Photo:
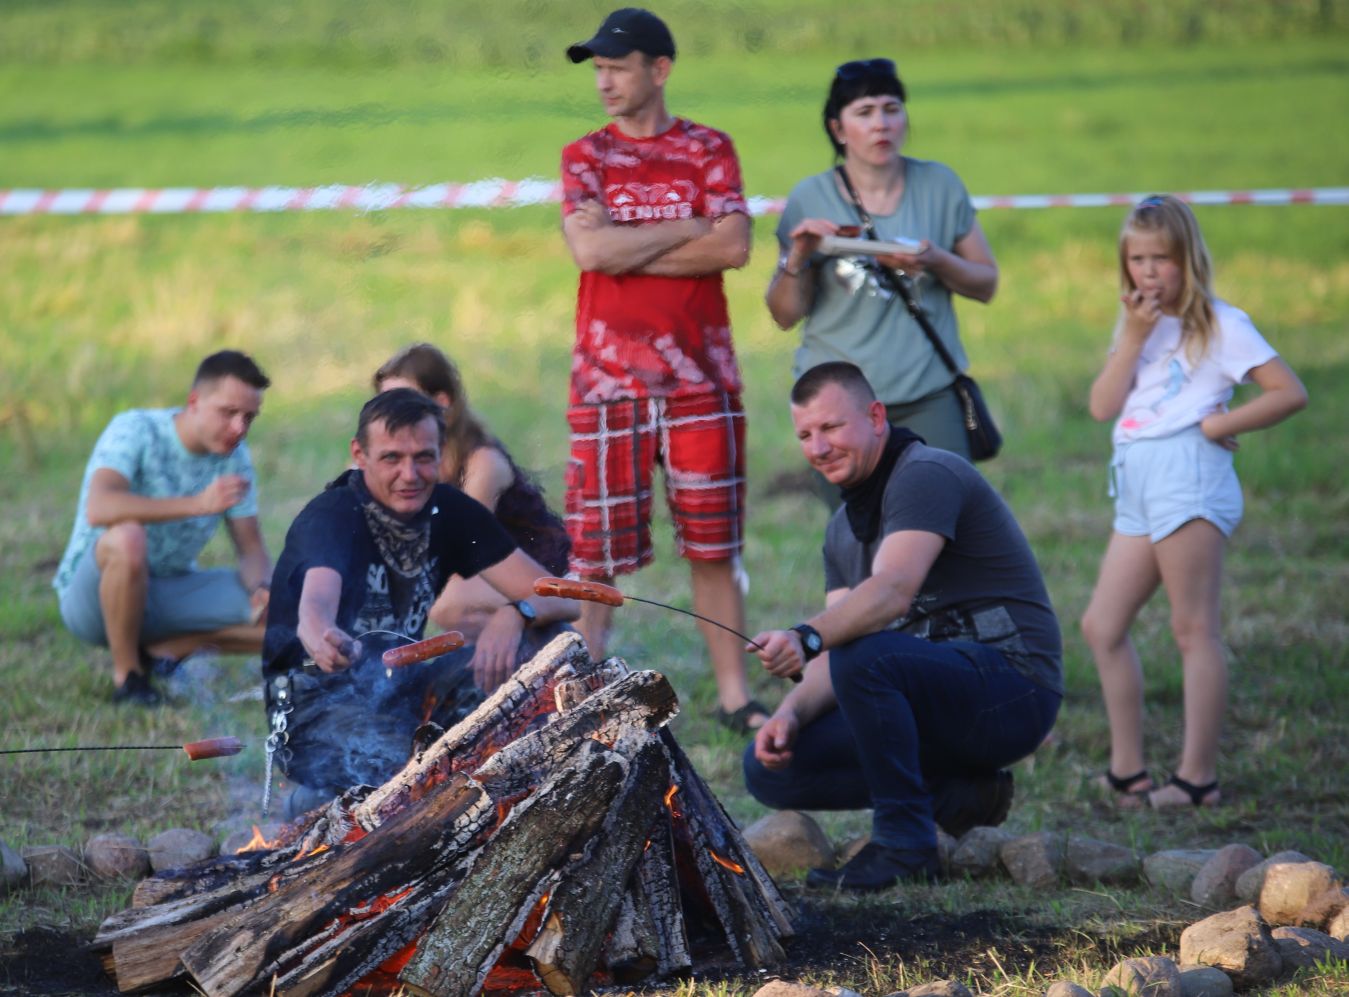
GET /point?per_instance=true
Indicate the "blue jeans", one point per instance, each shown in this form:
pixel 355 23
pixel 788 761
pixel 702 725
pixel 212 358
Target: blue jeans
pixel 911 712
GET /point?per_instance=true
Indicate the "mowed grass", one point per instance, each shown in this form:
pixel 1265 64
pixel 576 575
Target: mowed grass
pixel 101 314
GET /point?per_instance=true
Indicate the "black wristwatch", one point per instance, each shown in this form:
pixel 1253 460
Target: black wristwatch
pixel 526 609
pixel 811 641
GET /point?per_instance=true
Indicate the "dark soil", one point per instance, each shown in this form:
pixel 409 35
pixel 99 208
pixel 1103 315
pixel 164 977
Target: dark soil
pixel 832 936
pixel 51 961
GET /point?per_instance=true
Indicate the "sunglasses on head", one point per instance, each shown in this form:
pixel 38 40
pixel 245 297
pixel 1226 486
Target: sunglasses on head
pixel 861 69
pixel 1155 201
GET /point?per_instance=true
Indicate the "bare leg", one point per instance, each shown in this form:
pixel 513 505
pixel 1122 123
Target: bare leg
pixel 717 595
pixel 242 638
pixel 124 580
pixel 1128 577
pixel 464 605
pixel 1191 563
pixel 596 623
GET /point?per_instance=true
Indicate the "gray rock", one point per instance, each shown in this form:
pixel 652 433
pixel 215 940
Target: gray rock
pixel 1321 910
pixel 1175 869
pixel 1290 886
pixel 53 865
pixel 116 856
pixel 941 988
pixel 1035 860
pixel 977 850
pixel 788 842
pixel 1215 885
pixel 1204 981
pixel 1339 925
pixel 178 847
pixel 1303 947
pixel 1089 861
pixel 781 988
pixel 13 870
pixel 1065 989
pixel 1236 941
pixel 946 848
pixel 1147 976
pixel 843 992
pixel 1250 881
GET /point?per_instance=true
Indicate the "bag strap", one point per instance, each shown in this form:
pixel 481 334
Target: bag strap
pixel 898 283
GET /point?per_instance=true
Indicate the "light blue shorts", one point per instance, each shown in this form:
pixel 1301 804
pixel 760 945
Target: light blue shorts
pixel 198 602
pixel 1160 485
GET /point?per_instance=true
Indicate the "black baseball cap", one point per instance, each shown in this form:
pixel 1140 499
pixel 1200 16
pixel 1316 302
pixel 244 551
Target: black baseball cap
pixel 630 29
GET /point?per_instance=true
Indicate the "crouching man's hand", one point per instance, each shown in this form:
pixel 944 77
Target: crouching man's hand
pixel 773 741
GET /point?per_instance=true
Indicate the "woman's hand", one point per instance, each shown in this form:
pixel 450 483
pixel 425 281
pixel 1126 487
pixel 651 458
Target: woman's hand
pixel 912 264
pixel 806 240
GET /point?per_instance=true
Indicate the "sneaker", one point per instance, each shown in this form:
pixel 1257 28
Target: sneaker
pixel 877 867
pixel 960 803
pixel 138 690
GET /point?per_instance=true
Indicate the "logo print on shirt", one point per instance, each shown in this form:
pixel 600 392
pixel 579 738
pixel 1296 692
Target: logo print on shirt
pixel 641 202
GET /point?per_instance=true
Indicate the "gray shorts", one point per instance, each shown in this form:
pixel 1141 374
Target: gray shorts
pixel 198 602
pixel 1160 485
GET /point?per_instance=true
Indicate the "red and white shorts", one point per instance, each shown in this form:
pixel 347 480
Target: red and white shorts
pixel 700 443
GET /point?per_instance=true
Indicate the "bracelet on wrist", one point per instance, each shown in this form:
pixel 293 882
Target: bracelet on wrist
pixel 784 268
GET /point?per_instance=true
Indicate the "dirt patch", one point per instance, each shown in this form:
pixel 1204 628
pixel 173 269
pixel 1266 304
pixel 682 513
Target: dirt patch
pixel 51 962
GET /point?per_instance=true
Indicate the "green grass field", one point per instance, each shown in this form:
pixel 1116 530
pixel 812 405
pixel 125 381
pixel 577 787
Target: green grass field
pixel 101 314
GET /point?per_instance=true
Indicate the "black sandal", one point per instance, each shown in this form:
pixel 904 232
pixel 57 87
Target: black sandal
pixel 1197 794
pixel 738 720
pixel 1125 796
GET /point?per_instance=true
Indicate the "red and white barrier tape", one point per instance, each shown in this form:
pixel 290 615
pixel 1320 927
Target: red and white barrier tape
pixel 497 193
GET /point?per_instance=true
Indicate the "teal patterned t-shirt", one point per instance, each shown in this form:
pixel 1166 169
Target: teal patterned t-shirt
pixel 142 445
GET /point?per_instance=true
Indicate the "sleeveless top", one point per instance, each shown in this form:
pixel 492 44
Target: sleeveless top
pixel 536 529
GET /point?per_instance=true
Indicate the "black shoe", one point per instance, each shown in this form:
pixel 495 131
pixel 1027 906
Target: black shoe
pixel 138 690
pixel 960 802
pixel 159 667
pixel 877 867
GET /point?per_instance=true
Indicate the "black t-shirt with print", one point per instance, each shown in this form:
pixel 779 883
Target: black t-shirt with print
pixel 331 532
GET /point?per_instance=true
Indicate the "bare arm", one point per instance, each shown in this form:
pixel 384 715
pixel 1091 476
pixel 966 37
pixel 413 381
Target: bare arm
pixel 791 292
pixel 326 644
pixel 495 650
pixel 255 566
pixel 898 570
pixel 111 500
pixel 1281 394
pixel 487 476
pixel 1112 386
pixel 597 244
pixel 724 247
pixel 967 269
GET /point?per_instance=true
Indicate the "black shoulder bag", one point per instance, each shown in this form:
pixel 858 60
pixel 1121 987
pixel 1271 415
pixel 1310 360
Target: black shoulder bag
pixel 984 439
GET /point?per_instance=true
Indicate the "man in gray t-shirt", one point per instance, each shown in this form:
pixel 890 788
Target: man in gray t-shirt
pixel 944 662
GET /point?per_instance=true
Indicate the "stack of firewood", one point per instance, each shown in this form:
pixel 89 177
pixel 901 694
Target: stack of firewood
pixel 557 837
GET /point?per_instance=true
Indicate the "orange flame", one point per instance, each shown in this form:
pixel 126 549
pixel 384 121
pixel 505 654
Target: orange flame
pixel 669 800
pixel 313 851
pixel 256 843
pixel 739 870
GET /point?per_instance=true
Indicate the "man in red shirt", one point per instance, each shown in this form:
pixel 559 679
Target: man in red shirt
pixel 653 212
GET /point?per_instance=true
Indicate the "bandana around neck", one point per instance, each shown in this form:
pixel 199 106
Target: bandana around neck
pixel 402 544
pixel 862 502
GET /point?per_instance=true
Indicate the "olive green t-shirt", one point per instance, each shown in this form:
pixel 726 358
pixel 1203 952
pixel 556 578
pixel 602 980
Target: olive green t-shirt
pixel 853 318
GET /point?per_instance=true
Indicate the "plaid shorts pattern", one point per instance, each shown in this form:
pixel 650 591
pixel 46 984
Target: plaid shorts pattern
pixel 699 441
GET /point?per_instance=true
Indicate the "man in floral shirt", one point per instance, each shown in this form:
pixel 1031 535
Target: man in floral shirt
pixel 653 212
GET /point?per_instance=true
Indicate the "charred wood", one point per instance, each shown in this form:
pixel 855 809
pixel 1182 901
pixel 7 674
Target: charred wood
pixel 484 912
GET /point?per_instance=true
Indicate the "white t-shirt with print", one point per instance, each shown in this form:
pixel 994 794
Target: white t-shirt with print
pixel 1169 394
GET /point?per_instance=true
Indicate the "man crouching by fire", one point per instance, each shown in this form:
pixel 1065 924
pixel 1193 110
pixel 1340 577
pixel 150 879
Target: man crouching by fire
pixel 362 565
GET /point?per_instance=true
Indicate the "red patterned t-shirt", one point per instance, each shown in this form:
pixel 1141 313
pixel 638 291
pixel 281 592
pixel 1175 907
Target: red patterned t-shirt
pixel 640 336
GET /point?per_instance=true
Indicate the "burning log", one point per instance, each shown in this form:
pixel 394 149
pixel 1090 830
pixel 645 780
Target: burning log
pixel 517 847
